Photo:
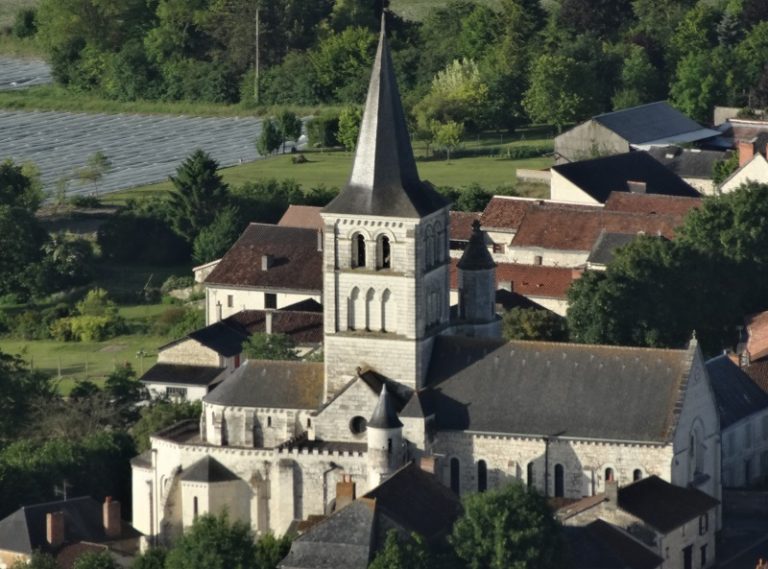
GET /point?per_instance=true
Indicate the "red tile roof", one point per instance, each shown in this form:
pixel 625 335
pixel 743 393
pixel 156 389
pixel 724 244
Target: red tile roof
pixel 306 216
pixel 461 225
pixel 757 335
pixel 503 212
pixel 529 280
pixel 296 261
pixel 651 203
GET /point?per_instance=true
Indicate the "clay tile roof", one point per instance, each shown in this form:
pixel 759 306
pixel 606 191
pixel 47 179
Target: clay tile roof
pixel 577 230
pixel 651 203
pixel 758 372
pixel 296 265
pixel 461 225
pixel 757 335
pixel 528 280
pixel 304 216
pixel 303 327
pixel 502 212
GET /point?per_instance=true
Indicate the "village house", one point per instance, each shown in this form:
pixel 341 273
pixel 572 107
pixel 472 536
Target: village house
pixel 753 166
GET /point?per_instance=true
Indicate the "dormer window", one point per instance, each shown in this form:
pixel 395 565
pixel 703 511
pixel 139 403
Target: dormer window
pixel 358 251
pixel 384 253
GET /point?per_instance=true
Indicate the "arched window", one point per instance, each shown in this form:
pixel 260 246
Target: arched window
pixel 195 510
pixel 358 250
pixel 455 482
pixel 559 481
pixel 637 474
pixel 609 477
pixel 384 253
pixel 430 245
pixel 482 476
pixel 352 308
pixel 370 310
pixel 386 310
pixel 529 475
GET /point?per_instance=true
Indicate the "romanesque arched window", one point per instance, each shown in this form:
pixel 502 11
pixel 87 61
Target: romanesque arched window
pixel 559 481
pixel 455 482
pixel 352 308
pixel 371 315
pixel 387 325
pixel 358 250
pixel 482 476
pixel 637 474
pixel 383 253
pixel 609 475
pixel 529 475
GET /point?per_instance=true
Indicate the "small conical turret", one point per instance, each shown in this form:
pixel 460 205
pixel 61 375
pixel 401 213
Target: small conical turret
pixel 384 416
pixel 385 440
pixel 476 256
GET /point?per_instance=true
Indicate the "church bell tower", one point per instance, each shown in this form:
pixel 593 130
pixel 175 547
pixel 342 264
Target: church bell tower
pixel 386 261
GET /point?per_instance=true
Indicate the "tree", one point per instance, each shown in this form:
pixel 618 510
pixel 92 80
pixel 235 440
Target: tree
pixel 125 392
pixel 447 136
pixel 96 168
pixel 349 126
pixel 409 553
pixel 533 324
pixel 161 414
pixel 213 543
pixel 153 558
pixel 38 560
pixel 640 81
pixel 510 527
pixel 341 65
pixel 472 198
pixel 271 550
pixel 20 186
pixel 722 169
pixel 95 560
pixel 21 250
pixel 216 239
pixel 20 387
pixel 289 126
pixel 604 18
pixel 270 347
pixel 698 84
pixel 270 138
pixel 199 193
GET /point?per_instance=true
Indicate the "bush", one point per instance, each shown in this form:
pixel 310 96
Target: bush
pixel 176 282
pixel 85 201
pixel 87 328
pixel 322 129
pixel 25 25
pixel 523 152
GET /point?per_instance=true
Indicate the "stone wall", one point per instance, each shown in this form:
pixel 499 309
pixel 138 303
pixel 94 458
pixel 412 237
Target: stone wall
pixel 248 299
pixel 588 140
pixel 334 421
pixel 189 352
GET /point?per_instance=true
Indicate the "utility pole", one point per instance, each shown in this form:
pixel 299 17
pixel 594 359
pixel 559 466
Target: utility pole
pixel 256 59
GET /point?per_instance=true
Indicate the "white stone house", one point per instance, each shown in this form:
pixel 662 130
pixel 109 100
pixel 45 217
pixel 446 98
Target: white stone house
pixel 754 170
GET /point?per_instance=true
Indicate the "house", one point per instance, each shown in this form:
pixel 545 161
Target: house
pixel 592 181
pixel 268 267
pixel 641 127
pixel 405 377
pixel 743 410
pixel 410 501
pixel 753 166
pixel 66 529
pixel 694 165
pixel 675 523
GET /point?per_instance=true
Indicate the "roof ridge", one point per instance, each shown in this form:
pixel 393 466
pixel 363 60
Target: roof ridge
pixel 661 101
pixel 609 346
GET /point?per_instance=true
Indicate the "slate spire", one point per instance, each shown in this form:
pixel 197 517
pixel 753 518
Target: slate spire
pixel 384 179
pixel 476 256
pixel 385 416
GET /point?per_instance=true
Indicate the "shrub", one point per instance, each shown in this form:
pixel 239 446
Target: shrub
pixel 322 129
pixel 175 282
pixel 25 24
pixel 85 201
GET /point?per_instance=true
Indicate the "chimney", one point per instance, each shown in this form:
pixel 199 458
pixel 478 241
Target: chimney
pixel 428 464
pixel 345 491
pixel 612 493
pixel 320 240
pixel 746 151
pixel 636 187
pixel 111 518
pixel 266 262
pixel 576 273
pixel 268 322
pixel 54 528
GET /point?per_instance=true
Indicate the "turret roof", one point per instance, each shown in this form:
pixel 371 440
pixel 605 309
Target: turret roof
pixel 476 256
pixel 384 416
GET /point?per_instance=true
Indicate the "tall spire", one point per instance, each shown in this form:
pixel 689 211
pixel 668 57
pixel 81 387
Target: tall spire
pixel 384 179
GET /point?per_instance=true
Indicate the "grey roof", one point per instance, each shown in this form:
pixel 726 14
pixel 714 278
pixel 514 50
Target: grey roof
pixel 688 162
pixel 143 460
pixel 476 256
pixel 209 470
pixel 601 545
pixel 601 176
pixel 384 415
pixel 541 388
pixel 273 384
pixel 605 247
pixel 653 122
pixel 25 530
pixel 182 374
pixel 736 395
pixel 384 179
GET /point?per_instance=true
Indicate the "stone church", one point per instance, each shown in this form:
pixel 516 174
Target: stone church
pixel 408 376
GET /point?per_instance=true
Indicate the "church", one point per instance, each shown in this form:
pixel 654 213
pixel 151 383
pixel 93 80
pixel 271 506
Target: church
pixel 406 376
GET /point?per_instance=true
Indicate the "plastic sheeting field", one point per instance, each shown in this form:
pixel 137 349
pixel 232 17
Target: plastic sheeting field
pixel 21 73
pixel 142 148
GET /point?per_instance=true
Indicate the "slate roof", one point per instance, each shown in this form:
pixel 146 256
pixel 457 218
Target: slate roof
pixel 546 388
pixel 651 203
pixel 208 470
pixel 605 247
pixel 384 180
pixel 24 530
pixel 476 256
pixel 663 505
pixel 736 395
pixel 688 163
pixel 653 122
pixel 303 326
pixel 601 176
pixel 306 216
pixel 297 263
pixel 460 228
pixel 509 299
pixel 628 550
pixel 274 384
pixel 385 415
pixel 181 374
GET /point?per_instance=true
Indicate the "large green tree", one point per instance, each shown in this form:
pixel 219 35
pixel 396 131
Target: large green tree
pixel 508 528
pixel 533 324
pixel 213 543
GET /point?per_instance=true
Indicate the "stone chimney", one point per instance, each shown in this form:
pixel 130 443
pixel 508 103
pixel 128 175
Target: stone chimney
pixel 428 464
pixel 345 491
pixel 612 493
pixel 636 187
pixel 746 151
pixel 268 322
pixel 54 528
pixel 266 262
pixel 111 518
